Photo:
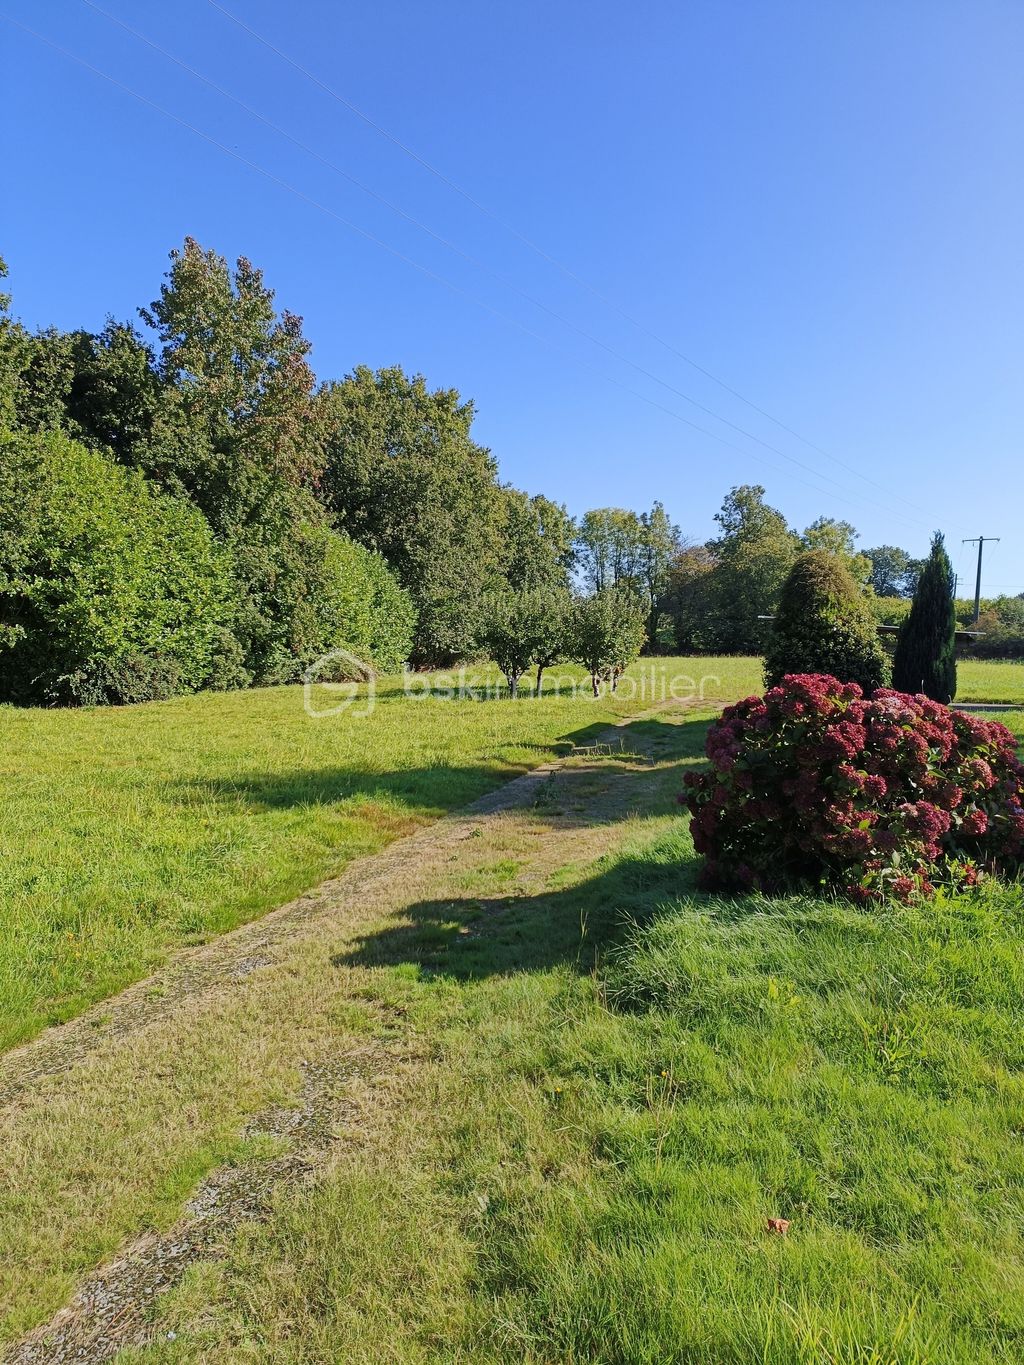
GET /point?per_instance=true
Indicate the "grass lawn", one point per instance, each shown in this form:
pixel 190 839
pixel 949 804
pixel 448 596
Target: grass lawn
pixel 126 832
pixel 631 1079
pixel 606 1083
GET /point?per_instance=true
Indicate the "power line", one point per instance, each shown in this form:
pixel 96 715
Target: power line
pixel 474 261
pixel 562 267
pixel 408 260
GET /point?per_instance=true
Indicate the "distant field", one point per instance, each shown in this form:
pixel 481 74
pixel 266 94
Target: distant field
pixel 127 832
pixel 990 680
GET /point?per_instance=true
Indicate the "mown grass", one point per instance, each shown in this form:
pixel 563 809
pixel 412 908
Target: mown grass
pixel 126 832
pixel 632 1079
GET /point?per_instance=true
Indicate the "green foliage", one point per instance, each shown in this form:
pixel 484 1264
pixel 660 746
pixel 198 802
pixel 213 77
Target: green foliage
pixel 925 659
pixel 115 396
pixel 893 572
pixel 536 541
pixel 752 557
pixel 520 628
pixel 608 548
pixel 606 634
pixel 615 548
pixel 824 625
pixel 404 477
pixel 838 538
pixel 239 429
pixel 109 589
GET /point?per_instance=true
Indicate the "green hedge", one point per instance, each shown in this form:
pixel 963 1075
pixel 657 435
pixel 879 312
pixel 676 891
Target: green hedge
pixel 109 589
pixel 113 591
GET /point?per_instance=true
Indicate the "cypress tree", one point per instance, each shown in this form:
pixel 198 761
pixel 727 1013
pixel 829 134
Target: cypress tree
pixel 823 625
pixel 925 659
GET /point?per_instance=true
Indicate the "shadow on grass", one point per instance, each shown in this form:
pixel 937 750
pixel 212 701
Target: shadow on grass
pixel 482 936
pixel 478 936
pixel 436 788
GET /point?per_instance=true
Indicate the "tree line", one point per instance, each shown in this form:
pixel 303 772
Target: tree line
pixel 184 505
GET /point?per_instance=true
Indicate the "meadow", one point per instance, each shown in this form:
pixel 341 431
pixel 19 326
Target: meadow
pixel 126 832
pixel 603 1083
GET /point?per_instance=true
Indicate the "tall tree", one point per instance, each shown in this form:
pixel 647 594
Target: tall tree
pixel 894 572
pixel 925 659
pixel 238 431
pixel 241 427
pixel 537 541
pixel 609 548
pixel 753 555
pixel 659 543
pixel 838 538
pixel 687 598
pixel 405 477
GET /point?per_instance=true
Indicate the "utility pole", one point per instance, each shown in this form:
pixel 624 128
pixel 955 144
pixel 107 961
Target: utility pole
pixel 980 542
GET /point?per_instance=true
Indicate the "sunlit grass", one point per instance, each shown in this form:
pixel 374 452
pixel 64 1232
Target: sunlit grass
pixel 632 1080
pixel 125 832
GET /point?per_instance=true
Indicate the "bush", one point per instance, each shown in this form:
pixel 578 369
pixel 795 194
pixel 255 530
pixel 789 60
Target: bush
pixel 109 590
pixel 814 785
pixel 824 625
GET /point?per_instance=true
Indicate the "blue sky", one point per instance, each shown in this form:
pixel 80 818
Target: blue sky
pixel 819 203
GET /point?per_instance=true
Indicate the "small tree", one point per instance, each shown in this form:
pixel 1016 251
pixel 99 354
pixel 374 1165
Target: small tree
pixel 552 618
pixel 608 631
pixel 824 625
pixel 507 631
pixel 925 659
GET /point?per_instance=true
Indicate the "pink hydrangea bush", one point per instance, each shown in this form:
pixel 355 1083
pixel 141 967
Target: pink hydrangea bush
pixel 816 784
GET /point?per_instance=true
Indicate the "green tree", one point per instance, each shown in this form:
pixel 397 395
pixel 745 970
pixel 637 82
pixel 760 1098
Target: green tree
pixel 893 572
pixel 404 477
pixel 838 538
pixel 824 624
pixel 753 555
pixel 609 548
pixel 115 396
pixel 240 430
pixel 536 541
pixel 552 624
pixel 110 590
pixel 925 659
pixel 687 597
pixel 658 545
pixel 607 632
pixel 507 632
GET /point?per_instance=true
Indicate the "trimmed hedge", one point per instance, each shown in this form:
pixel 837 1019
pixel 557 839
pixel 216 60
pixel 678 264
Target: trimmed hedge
pixel 824 624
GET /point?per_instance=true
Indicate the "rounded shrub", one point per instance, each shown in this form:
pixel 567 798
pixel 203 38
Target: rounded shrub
pixel 824 624
pixel 110 590
pixel 815 785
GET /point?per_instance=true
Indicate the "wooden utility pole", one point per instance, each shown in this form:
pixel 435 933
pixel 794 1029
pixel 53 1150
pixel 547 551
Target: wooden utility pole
pixel 980 542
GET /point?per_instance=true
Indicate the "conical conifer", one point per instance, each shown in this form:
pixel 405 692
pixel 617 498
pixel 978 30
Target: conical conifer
pixel 925 659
